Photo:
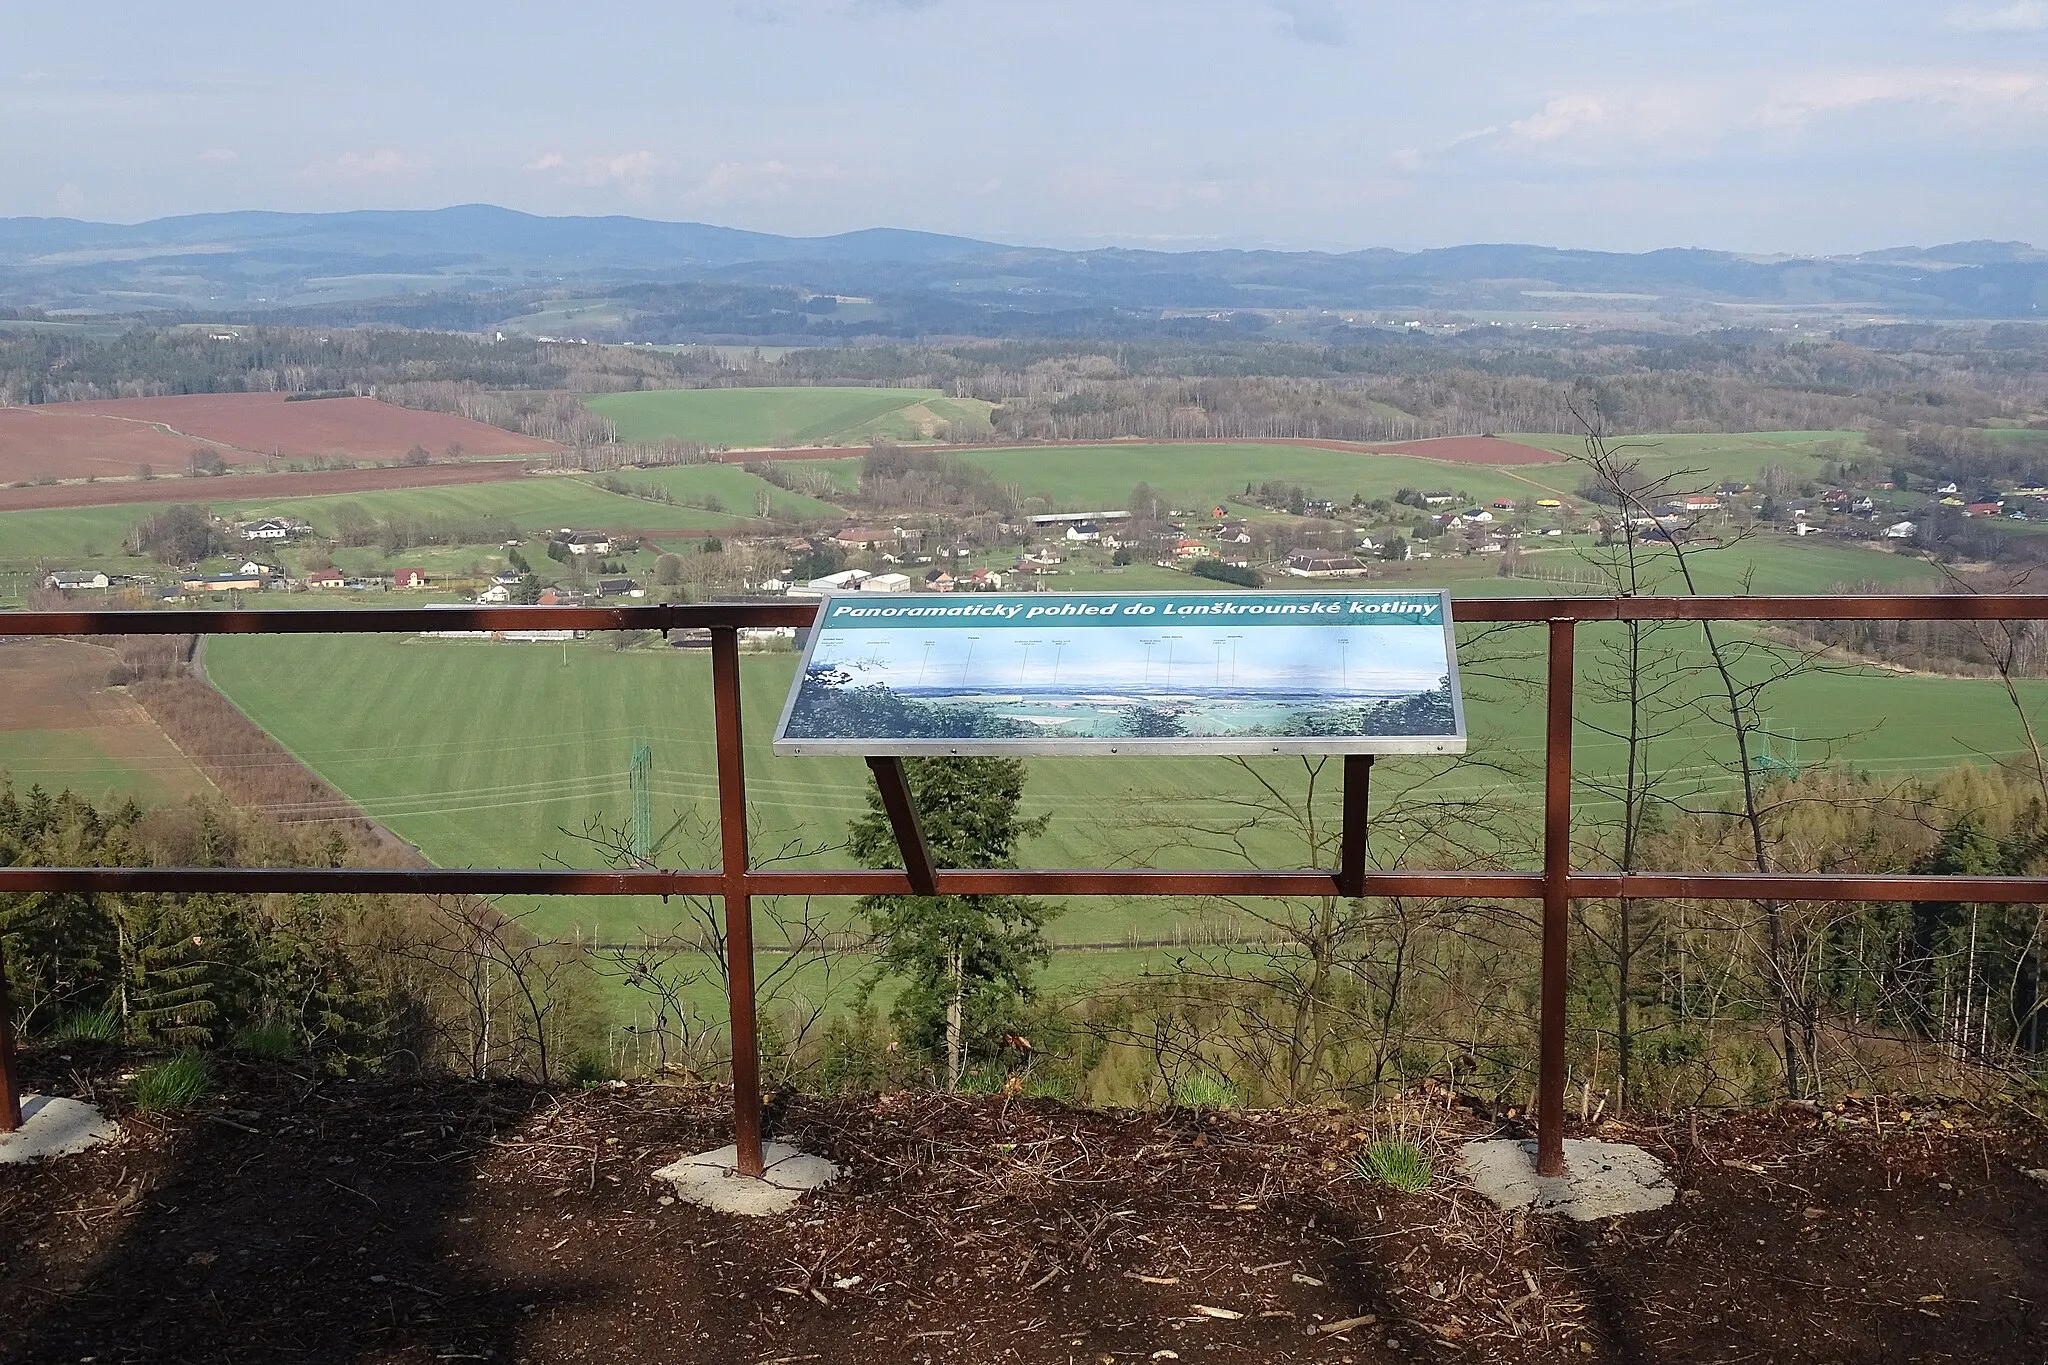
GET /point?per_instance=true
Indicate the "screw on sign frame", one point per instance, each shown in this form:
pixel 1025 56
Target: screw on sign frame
pixel 1556 886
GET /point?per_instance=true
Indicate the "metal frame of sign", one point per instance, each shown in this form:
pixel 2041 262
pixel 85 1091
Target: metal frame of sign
pixel 869 746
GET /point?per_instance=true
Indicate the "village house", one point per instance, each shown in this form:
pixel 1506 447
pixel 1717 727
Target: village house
pixel 1084 532
pixel 409 578
pixel 1479 515
pixel 1191 549
pixel 497 595
pixel 938 580
pixel 982 580
pixel 1233 533
pixel 324 578
pixel 272 528
pixel 586 543
pixel 617 587
pixel 1983 509
pixel 1503 504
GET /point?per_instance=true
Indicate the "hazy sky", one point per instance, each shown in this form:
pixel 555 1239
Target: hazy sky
pixel 1626 124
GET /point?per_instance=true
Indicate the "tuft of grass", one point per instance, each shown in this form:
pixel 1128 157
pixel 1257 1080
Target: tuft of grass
pixel 176 1084
pixel 271 1040
pixel 1203 1091
pixel 102 1025
pixel 1395 1162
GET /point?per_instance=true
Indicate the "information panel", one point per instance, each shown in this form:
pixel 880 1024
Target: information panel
pixel 1122 673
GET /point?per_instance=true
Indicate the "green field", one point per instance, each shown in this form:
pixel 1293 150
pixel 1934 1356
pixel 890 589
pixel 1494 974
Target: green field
pixel 92 536
pixel 1198 476
pixel 497 754
pixel 757 418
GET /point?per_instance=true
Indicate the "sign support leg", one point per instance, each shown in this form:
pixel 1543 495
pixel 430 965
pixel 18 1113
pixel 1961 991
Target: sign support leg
pixel 1557 905
pixel 1351 853
pixel 739 906
pixel 902 809
pixel 10 1093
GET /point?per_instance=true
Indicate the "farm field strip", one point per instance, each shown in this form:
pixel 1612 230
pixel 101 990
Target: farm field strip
pixel 756 417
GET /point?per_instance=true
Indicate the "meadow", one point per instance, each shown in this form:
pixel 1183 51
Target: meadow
pixel 769 417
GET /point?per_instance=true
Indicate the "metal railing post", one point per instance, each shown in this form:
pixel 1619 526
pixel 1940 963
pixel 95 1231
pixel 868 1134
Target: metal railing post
pixel 10 1093
pixel 739 907
pixel 1557 871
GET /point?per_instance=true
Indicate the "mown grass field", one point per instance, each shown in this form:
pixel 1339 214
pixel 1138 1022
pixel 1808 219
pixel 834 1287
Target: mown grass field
pixel 771 417
pixel 496 754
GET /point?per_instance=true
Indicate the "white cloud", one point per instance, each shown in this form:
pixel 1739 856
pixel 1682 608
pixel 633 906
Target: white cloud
pixel 1315 22
pixel 2021 16
pixel 743 181
pixel 2002 92
pixel 220 154
pixel 634 171
pixel 1682 121
pixel 352 165
pixel 1561 117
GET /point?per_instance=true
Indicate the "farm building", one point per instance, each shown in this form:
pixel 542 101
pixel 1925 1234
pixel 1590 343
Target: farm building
pixel 1306 564
pixel 1901 530
pixel 222 582
pixel 1084 532
pixel 588 543
pixel 617 587
pixel 69 580
pixel 1074 518
pixel 865 538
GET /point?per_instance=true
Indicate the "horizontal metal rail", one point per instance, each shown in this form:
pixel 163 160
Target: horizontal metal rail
pixel 1507 885
pixel 734 615
pixel 736 883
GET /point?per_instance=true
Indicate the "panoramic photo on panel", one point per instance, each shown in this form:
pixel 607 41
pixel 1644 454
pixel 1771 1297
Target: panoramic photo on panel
pixel 1373 671
pixel 1097 682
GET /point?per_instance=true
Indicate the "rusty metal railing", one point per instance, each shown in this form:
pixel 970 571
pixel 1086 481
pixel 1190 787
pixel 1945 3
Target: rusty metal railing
pixel 735 882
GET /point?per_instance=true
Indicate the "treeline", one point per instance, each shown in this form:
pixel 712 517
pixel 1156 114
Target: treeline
pixel 418 367
pixel 930 481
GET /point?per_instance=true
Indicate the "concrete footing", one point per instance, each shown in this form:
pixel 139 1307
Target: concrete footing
pixel 712 1179
pixel 1601 1179
pixel 52 1127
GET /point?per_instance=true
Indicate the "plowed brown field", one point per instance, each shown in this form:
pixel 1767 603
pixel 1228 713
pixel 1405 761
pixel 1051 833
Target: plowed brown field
pixel 111 438
pixel 234 487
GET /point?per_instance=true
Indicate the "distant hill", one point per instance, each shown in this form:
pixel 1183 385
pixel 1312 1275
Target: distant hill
pixel 477 266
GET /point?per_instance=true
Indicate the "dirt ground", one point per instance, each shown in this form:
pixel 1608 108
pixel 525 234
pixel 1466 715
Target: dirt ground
pixel 302 1218
pixel 56 684
pixel 235 487
pixel 273 424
